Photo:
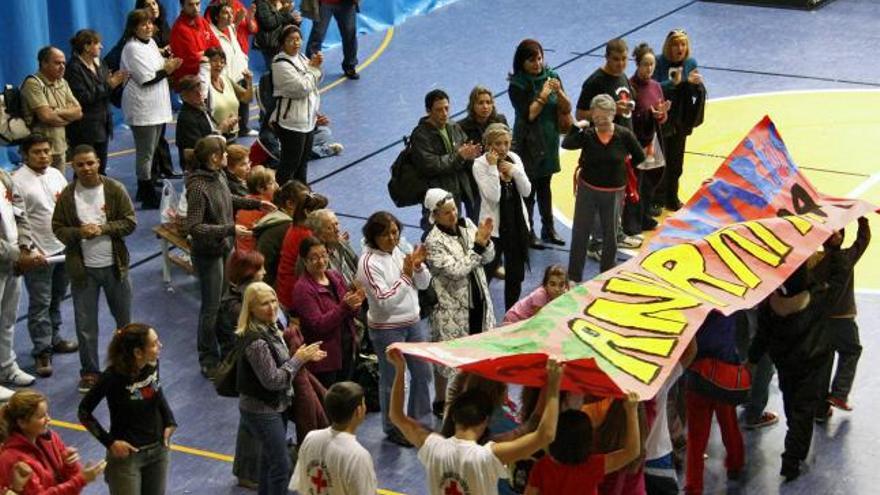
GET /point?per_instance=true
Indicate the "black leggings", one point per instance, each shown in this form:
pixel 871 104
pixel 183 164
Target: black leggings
pixel 673 149
pixel 294 161
pixel 514 271
pixel 541 191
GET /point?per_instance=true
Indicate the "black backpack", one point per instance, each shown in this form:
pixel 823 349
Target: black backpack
pixel 13 126
pixel 113 60
pixel 226 373
pixel 407 187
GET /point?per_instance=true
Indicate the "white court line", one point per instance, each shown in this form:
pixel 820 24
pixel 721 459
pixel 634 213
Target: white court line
pixel 865 186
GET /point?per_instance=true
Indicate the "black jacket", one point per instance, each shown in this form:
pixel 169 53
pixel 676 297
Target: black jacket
pixel 441 168
pixel 270 23
pixel 193 123
pixel 475 130
pixel 93 94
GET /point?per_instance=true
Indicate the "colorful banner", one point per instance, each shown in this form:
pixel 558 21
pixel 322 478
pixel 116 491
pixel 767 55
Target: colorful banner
pixel 738 238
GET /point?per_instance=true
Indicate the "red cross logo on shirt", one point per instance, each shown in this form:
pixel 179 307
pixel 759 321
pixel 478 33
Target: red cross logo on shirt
pixel 9 195
pixel 452 489
pixel 318 480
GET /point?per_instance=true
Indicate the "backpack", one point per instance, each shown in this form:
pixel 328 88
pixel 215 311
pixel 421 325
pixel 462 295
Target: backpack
pixel 13 126
pixel 226 373
pixel 366 374
pixel 266 100
pixel 406 186
pixel 113 61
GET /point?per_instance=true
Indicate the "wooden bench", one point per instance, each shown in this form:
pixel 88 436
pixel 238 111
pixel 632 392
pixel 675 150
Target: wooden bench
pixel 170 236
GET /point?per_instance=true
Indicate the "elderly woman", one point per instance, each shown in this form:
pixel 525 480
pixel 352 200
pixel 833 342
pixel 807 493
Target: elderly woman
pixel 391 279
pixel 266 373
pixel 210 224
pixel 55 467
pixel 457 250
pixel 326 307
pixel 146 100
pixel 224 91
pixel 295 81
pixel 538 100
pixel 342 257
pixel 91 83
pixel 683 85
pixel 601 181
pixel 503 183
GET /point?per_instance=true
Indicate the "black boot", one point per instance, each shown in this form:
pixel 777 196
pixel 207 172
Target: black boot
pixel 550 236
pixel 148 196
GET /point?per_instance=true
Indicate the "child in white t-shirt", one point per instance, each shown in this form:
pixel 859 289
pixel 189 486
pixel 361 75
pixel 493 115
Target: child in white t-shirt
pixel 459 464
pixel 331 461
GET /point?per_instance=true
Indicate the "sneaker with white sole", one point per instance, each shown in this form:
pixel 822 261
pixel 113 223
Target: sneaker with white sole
pixel 629 242
pixel 594 255
pixel 18 378
pixel 336 148
pixel 5 394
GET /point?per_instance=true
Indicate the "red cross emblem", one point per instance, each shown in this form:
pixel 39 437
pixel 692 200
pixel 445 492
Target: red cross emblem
pixel 9 195
pixel 318 481
pixel 452 488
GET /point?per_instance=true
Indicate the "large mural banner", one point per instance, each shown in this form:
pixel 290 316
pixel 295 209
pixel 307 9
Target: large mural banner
pixel 738 238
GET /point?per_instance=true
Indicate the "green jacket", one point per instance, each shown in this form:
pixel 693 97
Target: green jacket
pixel 121 222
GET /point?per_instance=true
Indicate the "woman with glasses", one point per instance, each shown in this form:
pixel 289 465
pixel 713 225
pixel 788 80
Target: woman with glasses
pixel 682 84
pixel 392 273
pixel 326 307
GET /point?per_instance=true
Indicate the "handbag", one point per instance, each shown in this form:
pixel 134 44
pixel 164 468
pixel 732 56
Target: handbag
pixel 653 155
pixel 727 382
pixel 428 299
pixel 632 183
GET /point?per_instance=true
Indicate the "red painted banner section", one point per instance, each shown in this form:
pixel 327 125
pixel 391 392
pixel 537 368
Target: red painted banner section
pixel 737 239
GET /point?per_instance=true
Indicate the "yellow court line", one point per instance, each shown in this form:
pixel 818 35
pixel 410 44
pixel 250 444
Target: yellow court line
pixel 389 34
pixel 186 450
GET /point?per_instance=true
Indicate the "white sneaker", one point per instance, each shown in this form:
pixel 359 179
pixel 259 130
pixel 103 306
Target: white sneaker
pixel 629 242
pixel 336 148
pixel 5 394
pixel 18 378
pixel 594 255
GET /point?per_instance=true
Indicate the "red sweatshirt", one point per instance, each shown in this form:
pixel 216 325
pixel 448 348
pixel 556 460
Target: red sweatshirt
pixel 190 37
pixel 46 458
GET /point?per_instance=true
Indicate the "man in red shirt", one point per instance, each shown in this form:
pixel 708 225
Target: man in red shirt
pixel 190 36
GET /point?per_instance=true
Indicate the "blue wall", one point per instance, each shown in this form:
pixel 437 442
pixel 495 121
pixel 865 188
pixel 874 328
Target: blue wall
pixel 29 25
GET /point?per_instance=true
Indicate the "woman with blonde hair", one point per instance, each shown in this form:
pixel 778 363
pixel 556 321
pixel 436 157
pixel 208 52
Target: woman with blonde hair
pixel 265 382
pixel 24 426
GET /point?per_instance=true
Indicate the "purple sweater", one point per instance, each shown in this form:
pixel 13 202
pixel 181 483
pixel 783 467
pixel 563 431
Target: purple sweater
pixel 648 93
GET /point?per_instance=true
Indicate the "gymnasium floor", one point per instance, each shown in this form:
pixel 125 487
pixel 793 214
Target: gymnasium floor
pixel 813 73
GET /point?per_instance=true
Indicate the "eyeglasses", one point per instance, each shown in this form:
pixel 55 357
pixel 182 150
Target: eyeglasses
pixel 317 257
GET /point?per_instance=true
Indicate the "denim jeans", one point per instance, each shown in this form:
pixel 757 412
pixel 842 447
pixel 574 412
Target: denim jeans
pixel 141 473
pixel 590 201
pixel 270 429
pixel 146 137
pixel 345 14
pixel 46 287
pixel 117 292
pixel 419 404
pixel 10 292
pixel 246 464
pixel 210 272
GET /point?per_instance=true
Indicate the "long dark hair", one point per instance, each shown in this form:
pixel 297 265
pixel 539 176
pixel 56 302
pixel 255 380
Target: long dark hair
pixel 163 30
pixel 526 50
pixel 120 353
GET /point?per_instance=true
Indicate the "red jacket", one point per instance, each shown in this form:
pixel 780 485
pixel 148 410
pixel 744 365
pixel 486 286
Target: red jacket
pixel 286 277
pixel 190 37
pixel 324 317
pixel 51 475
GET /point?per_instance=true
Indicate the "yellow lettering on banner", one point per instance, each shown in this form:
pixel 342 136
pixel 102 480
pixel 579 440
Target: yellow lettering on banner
pixel 610 346
pixel 802 226
pixel 663 313
pixel 814 217
pixel 721 241
pixel 683 266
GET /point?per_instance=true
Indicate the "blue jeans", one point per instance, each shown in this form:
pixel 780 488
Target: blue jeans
pixel 46 287
pixel 271 431
pixel 419 404
pixel 211 346
pixel 117 292
pixel 141 473
pixel 345 14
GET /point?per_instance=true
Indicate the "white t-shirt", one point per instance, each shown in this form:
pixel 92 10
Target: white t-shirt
pixel 97 251
pixel 40 193
pixel 460 466
pixel 659 443
pixel 332 462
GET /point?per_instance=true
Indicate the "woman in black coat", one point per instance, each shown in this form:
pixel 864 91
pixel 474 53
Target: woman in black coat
pixel 91 83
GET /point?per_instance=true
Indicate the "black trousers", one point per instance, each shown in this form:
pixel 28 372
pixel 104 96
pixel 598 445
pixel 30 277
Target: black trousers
pixel 673 150
pixel 294 161
pixel 514 270
pixel 541 192
pixel 802 397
